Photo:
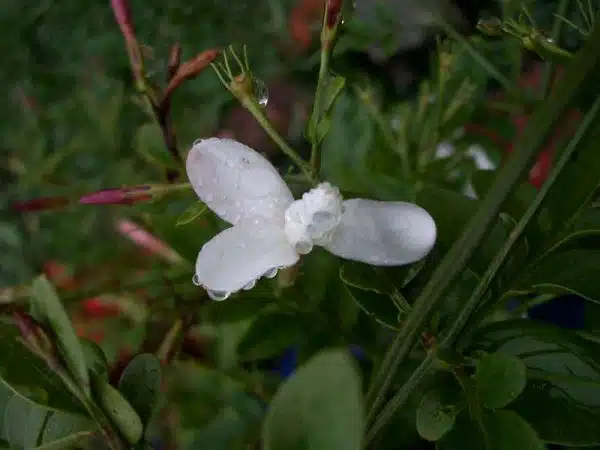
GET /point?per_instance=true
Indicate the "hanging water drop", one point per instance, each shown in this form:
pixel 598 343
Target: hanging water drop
pixel 217 295
pixel 271 273
pixel 249 285
pixel 196 280
pixel 260 92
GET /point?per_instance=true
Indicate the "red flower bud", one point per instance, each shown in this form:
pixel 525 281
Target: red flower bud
pixel 117 196
pixel 190 69
pixel 41 204
pixel 332 12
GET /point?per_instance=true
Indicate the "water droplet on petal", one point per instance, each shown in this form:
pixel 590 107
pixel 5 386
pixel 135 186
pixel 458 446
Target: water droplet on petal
pixel 197 141
pixel 271 273
pixel 260 92
pixel 304 247
pixel 249 285
pixel 196 280
pixel 217 295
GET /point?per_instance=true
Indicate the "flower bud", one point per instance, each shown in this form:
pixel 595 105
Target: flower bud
pixel 332 13
pixel 190 69
pixel 117 196
pixel 122 14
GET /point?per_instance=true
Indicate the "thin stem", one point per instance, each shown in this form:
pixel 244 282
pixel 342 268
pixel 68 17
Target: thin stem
pixel 315 153
pixel 550 66
pixel 254 108
pixel 328 37
pixel 458 256
pixel 465 313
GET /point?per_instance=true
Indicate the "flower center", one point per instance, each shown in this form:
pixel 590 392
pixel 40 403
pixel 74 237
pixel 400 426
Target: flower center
pixel 314 218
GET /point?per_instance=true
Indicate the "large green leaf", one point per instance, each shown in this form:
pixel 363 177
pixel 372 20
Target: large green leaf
pixel 48 308
pixel 140 384
pixel 26 425
pixel 573 271
pixel 562 397
pixel 319 407
pixel 499 379
pixel 497 430
pixel 28 376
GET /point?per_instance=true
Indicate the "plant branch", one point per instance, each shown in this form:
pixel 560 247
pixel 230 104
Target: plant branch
pixel 582 68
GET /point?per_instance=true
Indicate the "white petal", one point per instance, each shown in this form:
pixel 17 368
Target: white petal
pixel 383 233
pixel 241 254
pixel 236 182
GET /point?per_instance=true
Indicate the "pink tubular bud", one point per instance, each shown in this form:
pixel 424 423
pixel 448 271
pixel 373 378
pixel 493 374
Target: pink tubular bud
pixel 122 14
pixel 190 69
pixel 117 196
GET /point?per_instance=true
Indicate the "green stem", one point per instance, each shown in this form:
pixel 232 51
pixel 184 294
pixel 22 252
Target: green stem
pixel 556 31
pixel 453 264
pixel 254 108
pixel 315 153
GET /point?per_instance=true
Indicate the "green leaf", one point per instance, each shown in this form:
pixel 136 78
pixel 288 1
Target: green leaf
pixel 372 291
pixel 319 407
pixel 150 145
pixel 65 431
pixel 118 409
pixel 28 376
pixel 333 88
pixel 499 379
pixel 192 213
pixel 23 423
pixel 48 309
pixel 272 333
pixel 365 277
pixel 562 397
pixel 95 359
pixel 140 384
pixel 435 416
pixel 572 272
pixel 496 430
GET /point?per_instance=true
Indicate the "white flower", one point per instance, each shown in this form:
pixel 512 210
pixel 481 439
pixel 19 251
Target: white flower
pixel 270 230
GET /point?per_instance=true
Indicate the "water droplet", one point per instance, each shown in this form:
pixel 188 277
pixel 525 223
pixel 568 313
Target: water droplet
pixel 218 295
pixel 209 197
pixel 304 247
pixel 197 141
pixel 196 280
pixel 260 92
pixel 550 41
pixel 271 273
pixel 249 285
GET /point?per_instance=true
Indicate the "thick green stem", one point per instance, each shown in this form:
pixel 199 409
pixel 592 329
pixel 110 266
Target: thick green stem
pixel 583 67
